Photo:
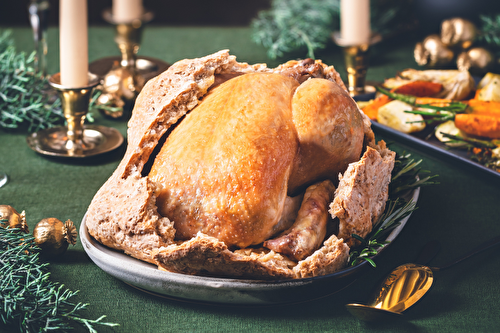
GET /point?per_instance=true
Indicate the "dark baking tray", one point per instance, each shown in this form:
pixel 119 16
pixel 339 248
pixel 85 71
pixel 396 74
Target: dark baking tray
pixel 428 141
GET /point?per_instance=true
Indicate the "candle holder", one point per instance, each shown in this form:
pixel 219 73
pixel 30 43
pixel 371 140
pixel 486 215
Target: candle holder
pixel 123 77
pixel 356 58
pixel 75 139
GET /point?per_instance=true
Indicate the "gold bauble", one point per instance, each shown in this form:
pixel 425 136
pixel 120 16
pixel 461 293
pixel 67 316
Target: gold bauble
pixel 111 100
pixel 12 219
pixel 53 236
pixel 458 32
pixel 432 52
pixel 477 60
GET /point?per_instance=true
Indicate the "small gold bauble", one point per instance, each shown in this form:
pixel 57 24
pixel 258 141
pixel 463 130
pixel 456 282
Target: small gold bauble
pixel 53 236
pixel 477 60
pixel 432 52
pixel 111 100
pixel 458 32
pixel 9 217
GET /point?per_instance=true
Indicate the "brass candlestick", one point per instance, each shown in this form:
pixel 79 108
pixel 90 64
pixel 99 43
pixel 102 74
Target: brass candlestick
pixel 75 139
pixel 356 58
pixel 124 77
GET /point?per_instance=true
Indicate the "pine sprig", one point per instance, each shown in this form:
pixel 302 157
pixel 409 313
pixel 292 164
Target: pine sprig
pixel 490 29
pixel 297 25
pixel 294 24
pixel 25 97
pixel 28 298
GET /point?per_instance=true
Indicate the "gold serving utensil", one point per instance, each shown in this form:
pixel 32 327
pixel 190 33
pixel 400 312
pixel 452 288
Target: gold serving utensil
pixel 404 286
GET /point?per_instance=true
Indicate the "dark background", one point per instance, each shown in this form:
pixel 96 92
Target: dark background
pixel 429 13
pixel 167 12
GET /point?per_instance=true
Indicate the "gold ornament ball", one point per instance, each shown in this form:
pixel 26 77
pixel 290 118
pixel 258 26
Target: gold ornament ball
pixel 477 60
pixel 53 236
pixel 9 217
pixel 432 52
pixel 458 32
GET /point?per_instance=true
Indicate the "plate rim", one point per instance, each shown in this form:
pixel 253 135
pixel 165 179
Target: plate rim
pixel 207 289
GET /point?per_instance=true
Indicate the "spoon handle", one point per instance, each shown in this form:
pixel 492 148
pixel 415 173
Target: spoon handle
pixel 473 252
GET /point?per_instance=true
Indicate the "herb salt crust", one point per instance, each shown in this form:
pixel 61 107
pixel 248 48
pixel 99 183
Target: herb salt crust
pixel 242 170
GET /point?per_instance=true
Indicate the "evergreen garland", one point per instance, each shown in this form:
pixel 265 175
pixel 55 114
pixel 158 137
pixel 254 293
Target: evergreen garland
pixel 28 298
pixel 291 25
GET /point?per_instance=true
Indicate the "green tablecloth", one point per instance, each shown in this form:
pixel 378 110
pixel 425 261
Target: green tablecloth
pixel 461 212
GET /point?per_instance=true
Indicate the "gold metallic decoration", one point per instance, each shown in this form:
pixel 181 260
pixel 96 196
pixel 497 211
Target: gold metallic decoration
pixel 476 60
pixel 9 217
pixel 75 139
pixel 399 291
pixel 432 52
pixel 53 236
pixel 356 58
pixel 458 32
pixel 124 77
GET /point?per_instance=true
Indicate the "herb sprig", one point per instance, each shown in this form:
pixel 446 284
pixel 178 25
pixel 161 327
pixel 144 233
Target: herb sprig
pixel 30 300
pixel 404 178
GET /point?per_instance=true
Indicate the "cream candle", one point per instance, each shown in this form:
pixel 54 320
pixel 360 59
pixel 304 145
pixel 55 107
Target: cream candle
pixel 125 11
pixel 73 35
pixel 354 21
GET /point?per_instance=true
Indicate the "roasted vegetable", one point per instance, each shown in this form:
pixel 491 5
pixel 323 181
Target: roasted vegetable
pixel 480 125
pixel 457 85
pixel 484 107
pixel 394 115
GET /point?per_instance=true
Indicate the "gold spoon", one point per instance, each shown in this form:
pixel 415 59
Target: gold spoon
pixel 404 286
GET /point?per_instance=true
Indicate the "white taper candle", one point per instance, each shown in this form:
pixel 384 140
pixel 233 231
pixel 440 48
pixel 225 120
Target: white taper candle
pixel 355 21
pixel 125 11
pixel 73 34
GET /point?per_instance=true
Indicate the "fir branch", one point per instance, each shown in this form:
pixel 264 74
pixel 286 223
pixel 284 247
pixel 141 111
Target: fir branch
pixel 490 29
pixel 30 300
pixel 294 24
pixel 26 98
pixel 297 25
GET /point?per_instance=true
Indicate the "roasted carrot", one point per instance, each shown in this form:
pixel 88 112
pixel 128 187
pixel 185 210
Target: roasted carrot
pixel 484 107
pixel 419 88
pixel 480 125
pixel 433 101
pixel 371 109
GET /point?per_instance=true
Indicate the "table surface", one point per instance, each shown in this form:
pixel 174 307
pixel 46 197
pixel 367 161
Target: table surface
pixel 461 212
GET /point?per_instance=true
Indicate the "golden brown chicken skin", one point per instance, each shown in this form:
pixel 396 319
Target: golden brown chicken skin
pixel 228 167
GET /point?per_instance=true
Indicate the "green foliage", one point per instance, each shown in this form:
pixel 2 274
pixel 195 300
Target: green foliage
pixel 291 25
pixel 295 24
pixel 405 177
pixel 28 298
pixel 490 30
pixel 25 97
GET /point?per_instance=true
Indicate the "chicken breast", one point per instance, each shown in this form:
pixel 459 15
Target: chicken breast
pixel 250 139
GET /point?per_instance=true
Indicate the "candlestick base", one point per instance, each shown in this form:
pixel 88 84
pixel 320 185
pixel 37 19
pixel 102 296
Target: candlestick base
pixel 75 139
pixel 356 61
